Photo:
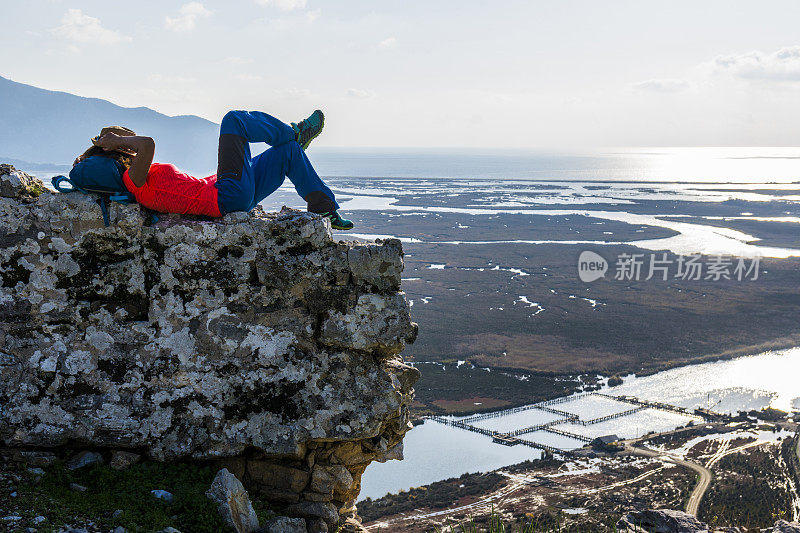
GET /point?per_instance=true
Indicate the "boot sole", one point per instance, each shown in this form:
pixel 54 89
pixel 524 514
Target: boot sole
pixel 322 125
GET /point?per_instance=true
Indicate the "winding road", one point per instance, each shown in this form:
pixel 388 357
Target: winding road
pixel 704 481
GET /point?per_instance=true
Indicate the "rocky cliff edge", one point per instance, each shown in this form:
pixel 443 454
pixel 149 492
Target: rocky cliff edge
pixel 255 340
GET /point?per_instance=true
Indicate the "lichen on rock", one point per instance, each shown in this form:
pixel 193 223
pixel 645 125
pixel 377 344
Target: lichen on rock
pixel 255 340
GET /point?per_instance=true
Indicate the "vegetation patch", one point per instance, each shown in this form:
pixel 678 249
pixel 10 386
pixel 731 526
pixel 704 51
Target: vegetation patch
pixel 35 189
pixel 441 389
pixel 476 402
pixel 758 474
pixel 99 498
pixel 439 495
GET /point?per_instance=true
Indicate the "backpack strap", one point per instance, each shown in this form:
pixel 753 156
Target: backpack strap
pixel 104 208
pixel 120 198
pixel 58 181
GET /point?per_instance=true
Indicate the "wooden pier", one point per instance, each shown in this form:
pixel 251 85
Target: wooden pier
pixel 500 438
pixel 542 406
pixel 512 438
pixel 563 433
pixel 537 427
pixel 660 406
pixel 609 417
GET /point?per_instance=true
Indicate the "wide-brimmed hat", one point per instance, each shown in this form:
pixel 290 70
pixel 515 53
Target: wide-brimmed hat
pixel 122 131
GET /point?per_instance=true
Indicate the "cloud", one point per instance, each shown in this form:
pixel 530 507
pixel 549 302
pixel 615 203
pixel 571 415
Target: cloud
pixel 390 42
pixel 158 79
pixel 236 60
pixel 313 15
pixel 782 65
pixel 187 17
pixel 662 86
pixel 292 93
pixel 359 93
pixel 80 28
pixel 248 77
pixel 284 5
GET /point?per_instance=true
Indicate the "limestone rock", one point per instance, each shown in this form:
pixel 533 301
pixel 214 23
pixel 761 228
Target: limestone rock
pixel 233 502
pixel 31 457
pixel 83 459
pixel 377 267
pixel 194 338
pixel 331 480
pixel 324 511
pixel 782 526
pixel 121 460
pixel 162 495
pixel 373 325
pixel 317 525
pixel 351 525
pixel 278 482
pixel 253 339
pixel 661 521
pixel 284 524
pixel 16 184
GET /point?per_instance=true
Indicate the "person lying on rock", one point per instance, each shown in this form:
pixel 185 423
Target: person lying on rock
pixel 241 181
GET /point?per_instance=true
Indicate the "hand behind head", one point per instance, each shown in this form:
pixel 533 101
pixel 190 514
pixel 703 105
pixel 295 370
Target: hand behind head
pixel 109 141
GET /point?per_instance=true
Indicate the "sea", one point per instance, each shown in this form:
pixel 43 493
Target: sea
pixel 700 165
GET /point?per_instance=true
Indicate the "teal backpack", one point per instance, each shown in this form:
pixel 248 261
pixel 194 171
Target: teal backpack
pixel 98 175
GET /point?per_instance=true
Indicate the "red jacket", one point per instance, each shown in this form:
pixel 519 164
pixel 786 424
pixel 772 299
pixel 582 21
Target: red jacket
pixel 168 190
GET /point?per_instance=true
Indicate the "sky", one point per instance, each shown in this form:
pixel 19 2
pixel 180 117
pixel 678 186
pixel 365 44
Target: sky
pixel 434 73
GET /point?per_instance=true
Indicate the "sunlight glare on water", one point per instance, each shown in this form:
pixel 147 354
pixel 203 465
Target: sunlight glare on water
pixel 724 164
pixel 772 374
pixel 703 164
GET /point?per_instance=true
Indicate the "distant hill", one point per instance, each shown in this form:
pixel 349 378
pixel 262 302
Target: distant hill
pixel 29 166
pixel 53 127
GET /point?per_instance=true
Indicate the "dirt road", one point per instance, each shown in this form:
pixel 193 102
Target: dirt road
pixel 704 481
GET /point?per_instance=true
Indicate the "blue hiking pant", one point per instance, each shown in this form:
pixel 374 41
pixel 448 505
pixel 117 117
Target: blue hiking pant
pixel 242 181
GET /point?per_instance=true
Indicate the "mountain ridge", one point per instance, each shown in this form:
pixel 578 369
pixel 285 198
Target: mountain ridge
pixel 34 120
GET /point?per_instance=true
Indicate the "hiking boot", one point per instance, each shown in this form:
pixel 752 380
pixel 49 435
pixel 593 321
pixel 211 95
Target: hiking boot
pixel 307 130
pixel 337 222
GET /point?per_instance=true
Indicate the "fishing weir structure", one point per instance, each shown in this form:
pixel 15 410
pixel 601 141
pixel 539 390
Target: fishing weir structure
pixel 516 436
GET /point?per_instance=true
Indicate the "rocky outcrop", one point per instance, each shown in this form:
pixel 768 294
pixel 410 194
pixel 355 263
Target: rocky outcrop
pixel 233 502
pixel 669 521
pixel 782 526
pixel 255 340
pixel 661 521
